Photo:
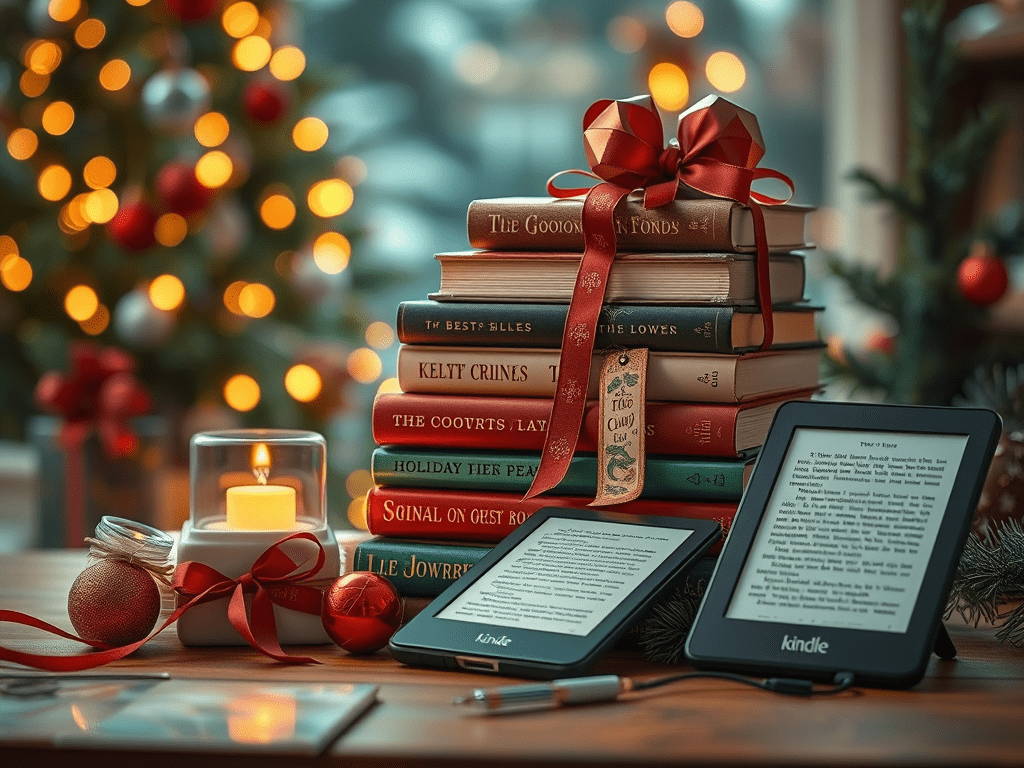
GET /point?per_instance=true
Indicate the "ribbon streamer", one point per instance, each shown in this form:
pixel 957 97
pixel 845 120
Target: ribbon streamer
pixel 716 151
pixel 274 578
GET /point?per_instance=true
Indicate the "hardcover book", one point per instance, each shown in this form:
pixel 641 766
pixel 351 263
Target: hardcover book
pixel 417 568
pixel 532 372
pixel 635 278
pixel 488 517
pixel 666 477
pixel 686 224
pixel 520 423
pixel 664 326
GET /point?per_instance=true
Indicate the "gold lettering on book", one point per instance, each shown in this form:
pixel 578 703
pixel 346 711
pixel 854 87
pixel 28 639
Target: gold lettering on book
pixel 498 372
pixel 482 423
pixel 441 370
pixel 421 569
pixel 410 513
pixel 408 420
pixel 382 566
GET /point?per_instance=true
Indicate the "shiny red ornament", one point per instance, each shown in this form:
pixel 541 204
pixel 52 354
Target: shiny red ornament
pixel 264 102
pixel 191 10
pixel 982 277
pixel 133 226
pixel 180 191
pixel 114 602
pixel 361 611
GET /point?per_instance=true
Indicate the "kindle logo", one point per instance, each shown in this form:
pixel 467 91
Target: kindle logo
pixel 814 645
pixel 488 639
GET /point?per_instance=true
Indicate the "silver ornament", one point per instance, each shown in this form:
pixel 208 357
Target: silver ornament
pixel 140 324
pixel 173 99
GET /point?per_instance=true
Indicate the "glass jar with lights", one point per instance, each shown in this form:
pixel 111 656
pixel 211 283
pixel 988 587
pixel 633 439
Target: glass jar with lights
pixel 250 489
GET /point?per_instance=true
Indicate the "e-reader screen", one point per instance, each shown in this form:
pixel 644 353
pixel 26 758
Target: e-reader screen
pixel 848 529
pixel 566 576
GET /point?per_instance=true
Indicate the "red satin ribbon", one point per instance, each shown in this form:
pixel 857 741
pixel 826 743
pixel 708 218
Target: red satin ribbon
pixel 716 152
pixel 274 578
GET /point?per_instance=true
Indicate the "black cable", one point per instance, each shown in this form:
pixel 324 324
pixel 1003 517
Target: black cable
pixel 786 685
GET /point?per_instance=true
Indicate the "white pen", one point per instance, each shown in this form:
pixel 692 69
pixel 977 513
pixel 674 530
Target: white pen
pixel 556 693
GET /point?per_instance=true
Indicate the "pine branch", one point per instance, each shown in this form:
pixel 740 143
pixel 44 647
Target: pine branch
pixel 895 194
pixel 867 286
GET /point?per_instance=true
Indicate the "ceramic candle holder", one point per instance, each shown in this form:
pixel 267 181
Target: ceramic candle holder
pixel 250 489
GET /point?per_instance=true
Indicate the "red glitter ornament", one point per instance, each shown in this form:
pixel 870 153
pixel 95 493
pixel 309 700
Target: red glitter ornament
pixel 982 276
pixel 132 227
pixel 361 611
pixel 114 602
pixel 191 10
pixel 180 191
pixel 264 102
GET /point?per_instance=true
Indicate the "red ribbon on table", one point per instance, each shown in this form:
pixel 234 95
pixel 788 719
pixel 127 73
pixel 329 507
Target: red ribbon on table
pixel 716 151
pixel 100 393
pixel 274 578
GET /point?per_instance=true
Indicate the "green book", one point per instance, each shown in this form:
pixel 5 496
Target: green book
pixel 416 568
pixel 675 328
pixel 666 477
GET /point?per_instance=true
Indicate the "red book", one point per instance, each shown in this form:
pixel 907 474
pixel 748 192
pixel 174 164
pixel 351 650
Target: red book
pixel 442 513
pixel 520 423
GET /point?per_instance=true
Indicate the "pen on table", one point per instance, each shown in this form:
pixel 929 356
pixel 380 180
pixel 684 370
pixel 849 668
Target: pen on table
pixel 556 693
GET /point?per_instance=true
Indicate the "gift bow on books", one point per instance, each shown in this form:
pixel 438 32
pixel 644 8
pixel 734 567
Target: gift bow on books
pixel 716 151
pixel 274 578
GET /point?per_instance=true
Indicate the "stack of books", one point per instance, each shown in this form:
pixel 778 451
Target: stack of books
pixel 460 444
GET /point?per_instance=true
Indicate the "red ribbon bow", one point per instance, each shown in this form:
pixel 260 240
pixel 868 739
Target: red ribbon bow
pixel 716 152
pixel 274 578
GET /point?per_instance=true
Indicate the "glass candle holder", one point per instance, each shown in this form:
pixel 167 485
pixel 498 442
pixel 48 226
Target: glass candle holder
pixel 248 490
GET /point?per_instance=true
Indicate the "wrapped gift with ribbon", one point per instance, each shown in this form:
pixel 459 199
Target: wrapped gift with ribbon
pixel 99 396
pixel 716 152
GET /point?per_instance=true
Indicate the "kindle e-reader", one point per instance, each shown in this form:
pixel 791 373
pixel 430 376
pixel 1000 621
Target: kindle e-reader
pixel 845 543
pixel 554 594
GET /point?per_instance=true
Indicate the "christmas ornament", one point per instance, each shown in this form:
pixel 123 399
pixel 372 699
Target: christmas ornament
pixel 264 101
pixel 361 611
pixel 180 191
pixel 133 226
pixel 114 602
pixel 227 226
pixel 139 323
pixel 191 10
pixel 173 99
pixel 982 276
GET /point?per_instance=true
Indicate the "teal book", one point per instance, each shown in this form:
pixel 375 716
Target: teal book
pixel 691 478
pixel 417 568
pixel 693 328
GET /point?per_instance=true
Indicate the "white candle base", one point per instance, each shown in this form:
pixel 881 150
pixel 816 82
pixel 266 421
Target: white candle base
pixel 233 553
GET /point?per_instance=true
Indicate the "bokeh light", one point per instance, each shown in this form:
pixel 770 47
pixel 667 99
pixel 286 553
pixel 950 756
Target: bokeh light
pixel 54 182
pixel 358 483
pixel 277 211
pixel 251 53
pixel 170 229
pixel 352 169
pixel 15 271
pixel 241 392
pixel 214 169
pixel 256 300
pixel 331 252
pixel 64 10
pixel 101 206
pixel 389 387
pixel 310 134
pixel 81 302
pixel 331 197
pixel 90 33
pixel 33 84
pixel 74 217
pixel 684 18
pixel 99 172
pixel 380 335
pixel 725 71
pixel 669 86
pixel 115 74
pixel 364 365
pixel 42 56
pixel 212 129
pixel 303 382
pixel 240 19
pixel 166 292
pixel 287 63
pixel 98 323
pixel 58 117
pixel 626 34
pixel 22 143
pixel 357 513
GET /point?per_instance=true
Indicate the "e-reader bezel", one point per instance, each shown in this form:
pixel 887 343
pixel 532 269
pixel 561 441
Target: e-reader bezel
pixel 876 658
pixel 450 643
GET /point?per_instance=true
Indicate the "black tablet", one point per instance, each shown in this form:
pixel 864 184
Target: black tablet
pixel 552 596
pixel 845 543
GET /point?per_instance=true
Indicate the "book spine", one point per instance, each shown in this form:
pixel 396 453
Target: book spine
pixel 675 328
pixel 534 372
pixel 416 568
pixel 481 516
pixel 520 424
pixel 530 225
pixel 666 477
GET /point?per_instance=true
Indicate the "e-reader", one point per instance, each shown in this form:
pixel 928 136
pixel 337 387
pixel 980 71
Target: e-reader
pixel 845 543
pixel 554 594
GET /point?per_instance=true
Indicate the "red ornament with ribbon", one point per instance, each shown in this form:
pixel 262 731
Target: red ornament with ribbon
pixel 716 151
pixel 99 395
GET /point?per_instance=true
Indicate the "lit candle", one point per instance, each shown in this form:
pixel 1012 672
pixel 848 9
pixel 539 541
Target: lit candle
pixel 261 507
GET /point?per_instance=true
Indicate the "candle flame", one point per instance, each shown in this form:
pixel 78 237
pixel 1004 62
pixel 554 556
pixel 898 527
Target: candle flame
pixel 261 462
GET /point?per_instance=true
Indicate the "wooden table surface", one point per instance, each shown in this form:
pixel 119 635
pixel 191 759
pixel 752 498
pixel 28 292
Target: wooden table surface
pixel 968 712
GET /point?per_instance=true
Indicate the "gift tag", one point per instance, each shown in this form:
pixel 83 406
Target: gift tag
pixel 621 455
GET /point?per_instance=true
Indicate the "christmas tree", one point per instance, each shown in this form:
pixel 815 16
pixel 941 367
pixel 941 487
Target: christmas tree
pixel 947 272
pixel 168 192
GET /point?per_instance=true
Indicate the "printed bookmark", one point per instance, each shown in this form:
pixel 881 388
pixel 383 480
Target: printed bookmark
pixel 621 457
